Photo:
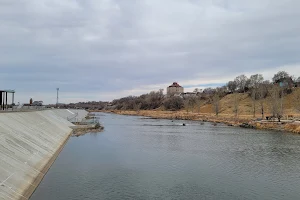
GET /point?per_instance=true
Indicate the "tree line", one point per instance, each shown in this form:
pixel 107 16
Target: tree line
pixel 255 86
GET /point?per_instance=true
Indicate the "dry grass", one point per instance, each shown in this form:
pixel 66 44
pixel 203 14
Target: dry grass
pixel 293 127
pixel 269 125
pixel 246 106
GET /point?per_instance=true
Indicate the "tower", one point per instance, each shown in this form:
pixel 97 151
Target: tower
pixel 57 89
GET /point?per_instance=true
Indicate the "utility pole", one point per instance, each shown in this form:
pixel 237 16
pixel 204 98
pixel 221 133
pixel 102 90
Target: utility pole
pixel 281 103
pixel 57 89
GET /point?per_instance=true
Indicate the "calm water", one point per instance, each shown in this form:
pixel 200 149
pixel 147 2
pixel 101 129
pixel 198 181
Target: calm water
pixel 136 158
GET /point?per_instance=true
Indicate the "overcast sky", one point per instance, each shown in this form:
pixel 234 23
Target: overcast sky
pixel 105 49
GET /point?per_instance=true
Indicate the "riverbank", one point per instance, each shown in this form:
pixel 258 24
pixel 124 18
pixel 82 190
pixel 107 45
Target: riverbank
pixel 142 158
pixel 242 120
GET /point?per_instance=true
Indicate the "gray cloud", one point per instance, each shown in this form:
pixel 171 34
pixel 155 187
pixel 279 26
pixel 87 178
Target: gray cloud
pixel 100 49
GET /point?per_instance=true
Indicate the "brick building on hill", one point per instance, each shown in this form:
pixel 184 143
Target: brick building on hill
pixel 174 89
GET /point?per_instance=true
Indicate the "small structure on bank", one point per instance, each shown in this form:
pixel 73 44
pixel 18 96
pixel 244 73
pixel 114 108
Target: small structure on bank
pixel 32 105
pixel 3 99
pixel 174 89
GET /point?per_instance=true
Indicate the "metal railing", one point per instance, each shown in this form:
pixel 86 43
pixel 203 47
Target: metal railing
pixel 71 119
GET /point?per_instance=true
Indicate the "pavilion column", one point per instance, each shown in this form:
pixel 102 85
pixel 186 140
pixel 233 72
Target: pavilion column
pixel 3 101
pixel 13 101
pixel 0 100
pixel 6 100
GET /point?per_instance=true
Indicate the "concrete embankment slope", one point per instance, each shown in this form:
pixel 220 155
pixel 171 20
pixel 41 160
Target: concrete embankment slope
pixel 29 144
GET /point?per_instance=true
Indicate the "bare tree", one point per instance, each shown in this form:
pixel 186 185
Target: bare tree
pixel 276 101
pixel 297 100
pixel 280 75
pixel 186 106
pixel 222 90
pixel 254 97
pixel 197 90
pixel 189 103
pixel 198 104
pixel 254 83
pixel 241 82
pixel 297 82
pixel 216 103
pixel 247 86
pixel 232 85
pixel 174 103
pixel 236 102
pixel 192 103
pixel 137 107
pixel 161 93
pixel 209 91
pixel 152 100
pixel 261 95
pixel 255 80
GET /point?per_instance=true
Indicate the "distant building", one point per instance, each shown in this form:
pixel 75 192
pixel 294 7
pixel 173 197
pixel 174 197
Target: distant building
pixel 37 103
pixel 285 82
pixel 188 94
pixel 297 82
pixel 174 89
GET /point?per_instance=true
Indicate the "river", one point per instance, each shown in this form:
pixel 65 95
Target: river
pixel 140 158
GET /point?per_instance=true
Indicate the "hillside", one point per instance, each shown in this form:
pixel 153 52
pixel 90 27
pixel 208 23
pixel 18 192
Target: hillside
pixel 245 108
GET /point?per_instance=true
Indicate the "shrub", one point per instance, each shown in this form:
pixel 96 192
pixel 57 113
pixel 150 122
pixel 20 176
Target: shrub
pixel 173 103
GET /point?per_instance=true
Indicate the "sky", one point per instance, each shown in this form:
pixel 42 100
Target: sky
pixel 105 49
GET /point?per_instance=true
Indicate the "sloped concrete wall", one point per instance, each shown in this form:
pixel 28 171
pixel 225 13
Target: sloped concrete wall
pixel 72 115
pixel 29 144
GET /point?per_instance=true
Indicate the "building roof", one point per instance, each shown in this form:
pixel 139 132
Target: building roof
pixel 175 84
pixel 8 91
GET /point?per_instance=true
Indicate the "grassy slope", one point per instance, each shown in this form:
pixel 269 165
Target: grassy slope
pixel 246 106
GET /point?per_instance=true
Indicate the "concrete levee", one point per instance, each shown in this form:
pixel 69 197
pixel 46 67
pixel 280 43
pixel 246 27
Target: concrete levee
pixel 29 144
pixel 71 115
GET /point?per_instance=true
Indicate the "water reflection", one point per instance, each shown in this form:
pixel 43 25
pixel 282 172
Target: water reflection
pixel 138 158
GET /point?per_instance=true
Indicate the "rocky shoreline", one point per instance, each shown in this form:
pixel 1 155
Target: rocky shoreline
pixel 80 130
pixel 242 121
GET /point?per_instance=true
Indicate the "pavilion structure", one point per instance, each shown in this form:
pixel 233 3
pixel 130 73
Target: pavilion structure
pixel 3 99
